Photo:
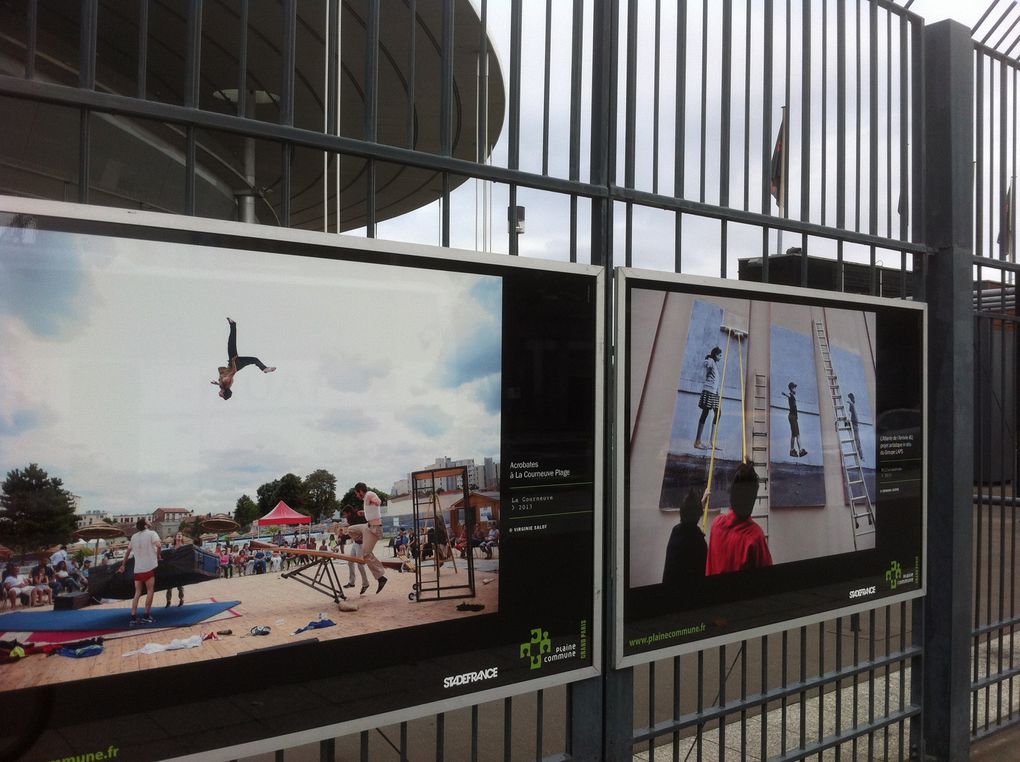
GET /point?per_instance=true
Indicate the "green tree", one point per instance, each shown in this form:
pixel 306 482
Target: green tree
pixel 289 488
pixel 35 510
pixel 246 511
pixel 320 488
pixel 350 498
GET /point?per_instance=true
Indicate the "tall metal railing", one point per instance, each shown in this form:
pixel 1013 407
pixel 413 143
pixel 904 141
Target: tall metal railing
pixel 631 133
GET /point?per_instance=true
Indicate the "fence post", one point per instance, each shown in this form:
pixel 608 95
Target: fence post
pixel 948 230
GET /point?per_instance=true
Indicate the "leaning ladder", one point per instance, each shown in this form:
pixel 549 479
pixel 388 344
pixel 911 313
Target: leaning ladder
pixel 853 472
pixel 760 449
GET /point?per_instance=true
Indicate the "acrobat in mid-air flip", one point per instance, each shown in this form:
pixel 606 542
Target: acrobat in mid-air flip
pixel 234 364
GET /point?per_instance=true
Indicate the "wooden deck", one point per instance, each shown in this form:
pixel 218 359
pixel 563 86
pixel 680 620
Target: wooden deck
pixel 266 599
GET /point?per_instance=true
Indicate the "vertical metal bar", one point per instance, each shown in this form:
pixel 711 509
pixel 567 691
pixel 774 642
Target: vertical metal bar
pixel 803 680
pixel 446 85
pixel 904 203
pixel 412 70
pixel 918 184
pixel 364 746
pixel 576 65
pixel 702 163
pixel 193 54
pixel 242 59
pixel 327 750
pixel 805 115
pixel 371 126
pixel 724 111
pixel 747 107
pixel 508 729
pixel 722 689
pixel 87 81
pixel 979 152
pixel 857 114
pixel 841 115
pixel 763 740
pixel 441 736
pixel 651 707
pixel 699 741
pixel 603 109
pixel 723 247
pixel 655 96
pixel 676 707
pixel 784 666
pixel 786 123
pixel 888 125
pixel 680 112
pixel 539 724
pixel 871 682
pixel 825 110
pixel 573 227
pixel 445 232
pixel 545 110
pixel 766 127
pixel 514 107
pixel 821 671
pixel 630 127
pixel 87 44
pixel 474 734
pixel 949 90
pixel 371 85
pixel 873 120
pixel 743 685
pixel 143 48
pixel 31 37
pixel 838 692
pixel 979 333
pixel 403 725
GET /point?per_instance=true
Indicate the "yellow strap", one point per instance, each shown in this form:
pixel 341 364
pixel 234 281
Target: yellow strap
pixel 743 406
pixel 715 436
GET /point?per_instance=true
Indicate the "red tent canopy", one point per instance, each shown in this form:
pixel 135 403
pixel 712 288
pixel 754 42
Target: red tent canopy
pixel 283 514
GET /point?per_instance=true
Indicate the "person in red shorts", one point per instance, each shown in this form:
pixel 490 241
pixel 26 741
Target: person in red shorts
pixel 145 546
pixel 736 542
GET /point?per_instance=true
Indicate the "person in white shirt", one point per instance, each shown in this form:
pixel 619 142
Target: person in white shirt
pixel 60 555
pixel 146 547
pixel 369 533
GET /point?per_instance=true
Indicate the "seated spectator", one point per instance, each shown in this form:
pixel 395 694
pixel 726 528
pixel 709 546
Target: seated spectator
pixel 17 586
pixel 259 562
pixel 276 561
pixel 461 543
pixel 41 590
pixel 64 580
pixel 491 541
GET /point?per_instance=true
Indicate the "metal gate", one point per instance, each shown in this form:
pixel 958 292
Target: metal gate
pixel 636 133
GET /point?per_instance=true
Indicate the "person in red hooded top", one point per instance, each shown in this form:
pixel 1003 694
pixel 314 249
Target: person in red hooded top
pixel 736 542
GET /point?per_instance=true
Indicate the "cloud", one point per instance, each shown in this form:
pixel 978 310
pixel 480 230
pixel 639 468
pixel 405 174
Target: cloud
pixel 475 357
pixel 44 285
pixel 19 421
pixel 429 420
pixel 488 294
pixel 347 422
pixel 488 391
pixel 354 375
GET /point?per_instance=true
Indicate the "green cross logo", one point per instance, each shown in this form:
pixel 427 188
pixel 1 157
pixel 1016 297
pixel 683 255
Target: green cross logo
pixel 538 645
pixel 894 575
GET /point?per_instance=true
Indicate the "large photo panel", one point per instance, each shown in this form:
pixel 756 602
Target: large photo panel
pixel 350 459
pixel 772 458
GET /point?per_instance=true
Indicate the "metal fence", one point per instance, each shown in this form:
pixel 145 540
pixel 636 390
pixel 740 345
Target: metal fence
pixel 637 133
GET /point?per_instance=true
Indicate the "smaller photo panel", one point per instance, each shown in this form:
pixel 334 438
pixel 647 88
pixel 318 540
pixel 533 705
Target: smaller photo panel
pixel 752 490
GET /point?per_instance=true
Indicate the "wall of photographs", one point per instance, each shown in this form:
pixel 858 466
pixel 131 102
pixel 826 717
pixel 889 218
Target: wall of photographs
pixel 123 333
pixel 771 464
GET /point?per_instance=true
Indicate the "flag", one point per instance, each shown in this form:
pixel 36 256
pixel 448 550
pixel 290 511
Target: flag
pixel 1005 239
pixel 778 176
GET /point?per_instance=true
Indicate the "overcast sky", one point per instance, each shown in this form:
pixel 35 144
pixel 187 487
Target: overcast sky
pixel 110 347
pixel 547 228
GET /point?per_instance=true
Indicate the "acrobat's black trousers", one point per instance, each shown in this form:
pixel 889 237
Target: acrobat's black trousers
pixel 239 362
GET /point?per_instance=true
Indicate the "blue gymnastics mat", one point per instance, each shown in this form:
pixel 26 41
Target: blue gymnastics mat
pixel 108 619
